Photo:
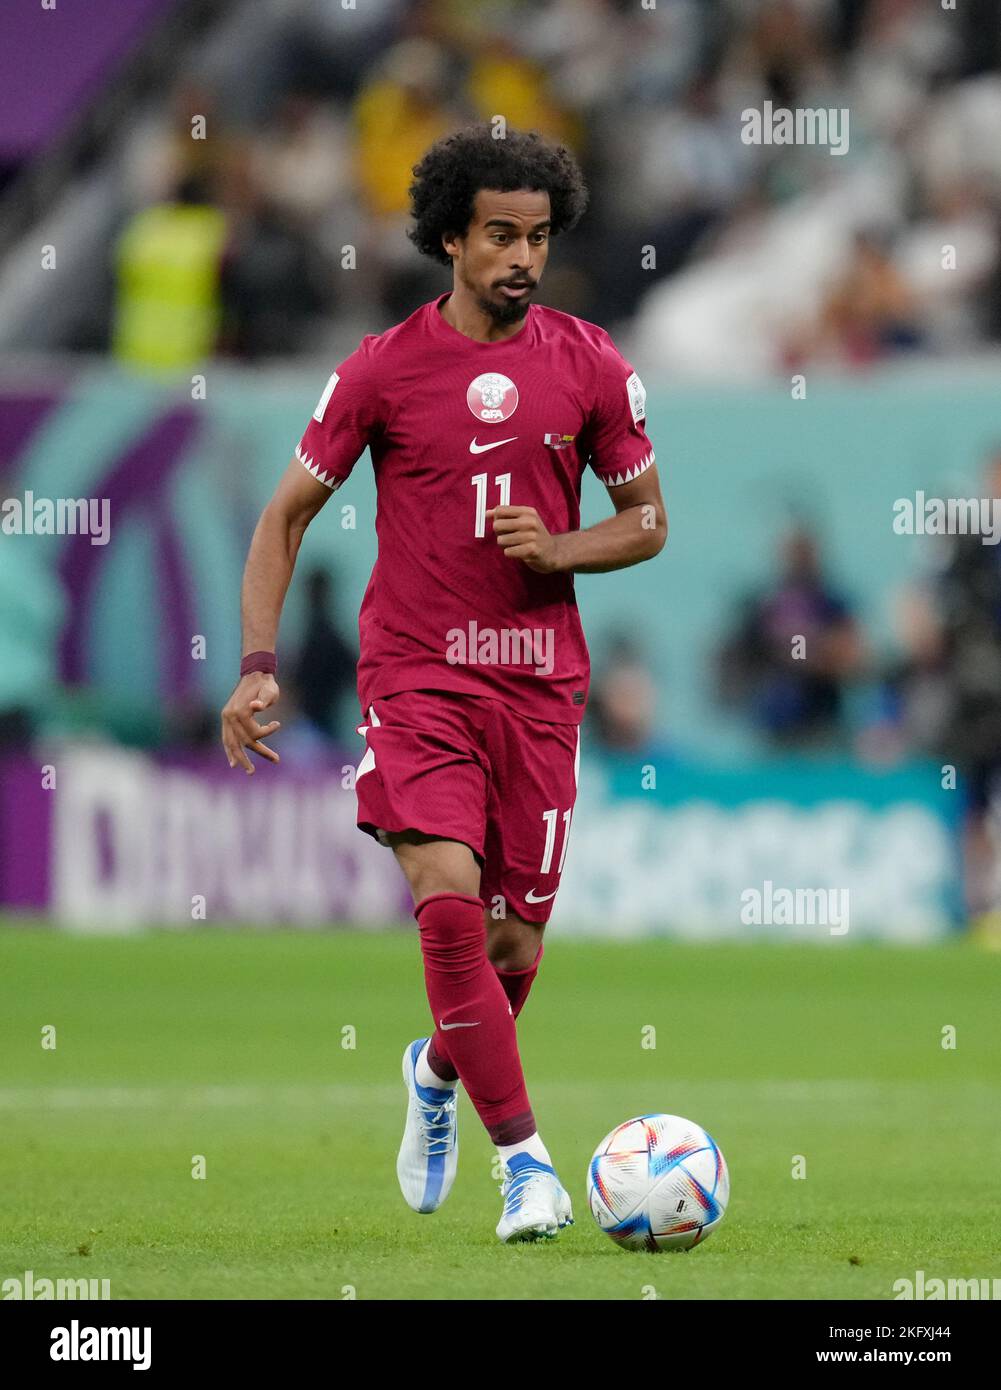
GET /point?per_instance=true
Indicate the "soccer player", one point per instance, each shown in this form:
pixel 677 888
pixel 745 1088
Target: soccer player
pixel 481 411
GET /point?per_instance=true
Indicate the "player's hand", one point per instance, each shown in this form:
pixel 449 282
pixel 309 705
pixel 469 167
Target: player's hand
pixel 240 729
pixel 522 536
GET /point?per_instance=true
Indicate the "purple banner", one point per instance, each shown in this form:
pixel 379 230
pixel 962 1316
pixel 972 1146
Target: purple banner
pixel 25 835
pixel 110 840
pixel 54 59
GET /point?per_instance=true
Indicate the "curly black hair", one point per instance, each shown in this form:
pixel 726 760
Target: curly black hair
pixel 457 166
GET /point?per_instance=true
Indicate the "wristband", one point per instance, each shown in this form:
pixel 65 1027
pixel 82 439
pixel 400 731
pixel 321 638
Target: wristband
pixel 265 662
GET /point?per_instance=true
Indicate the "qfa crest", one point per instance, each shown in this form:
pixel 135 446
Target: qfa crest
pixel 492 397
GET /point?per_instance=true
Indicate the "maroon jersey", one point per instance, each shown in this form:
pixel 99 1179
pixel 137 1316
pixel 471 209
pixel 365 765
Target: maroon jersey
pixel 456 427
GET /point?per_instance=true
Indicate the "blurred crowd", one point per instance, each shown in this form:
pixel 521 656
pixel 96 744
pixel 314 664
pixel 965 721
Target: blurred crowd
pixel 259 210
pixel 799 668
pixel 266 198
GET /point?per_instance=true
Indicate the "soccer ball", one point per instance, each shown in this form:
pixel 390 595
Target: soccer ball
pixel 658 1182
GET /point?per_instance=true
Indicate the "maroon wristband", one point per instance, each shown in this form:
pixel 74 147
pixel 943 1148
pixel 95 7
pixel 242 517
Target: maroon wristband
pixel 265 662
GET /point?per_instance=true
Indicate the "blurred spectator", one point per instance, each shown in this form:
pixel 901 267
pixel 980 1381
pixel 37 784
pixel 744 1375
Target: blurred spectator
pixel 171 146
pixel 971 605
pixel 941 697
pixel 401 109
pixel 915 704
pixel 325 668
pixel 739 259
pixel 275 281
pixel 322 48
pixel 959 226
pixel 302 158
pixel 501 79
pixel 870 311
pixel 794 649
pixel 623 705
pixel 687 171
pixel 169 261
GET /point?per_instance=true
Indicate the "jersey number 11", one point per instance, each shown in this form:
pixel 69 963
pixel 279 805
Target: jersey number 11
pixel 480 483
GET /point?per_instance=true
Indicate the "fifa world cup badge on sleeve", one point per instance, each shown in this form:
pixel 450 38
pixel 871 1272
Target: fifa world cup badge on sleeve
pixel 321 404
pixel 637 397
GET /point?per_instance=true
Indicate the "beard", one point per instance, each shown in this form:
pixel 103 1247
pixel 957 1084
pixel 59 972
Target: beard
pixel 505 311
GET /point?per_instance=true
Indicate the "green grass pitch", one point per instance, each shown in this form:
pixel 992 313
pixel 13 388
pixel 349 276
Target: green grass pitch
pixel 229 1045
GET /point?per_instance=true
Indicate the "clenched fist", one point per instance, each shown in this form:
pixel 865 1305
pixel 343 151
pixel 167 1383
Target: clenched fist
pixel 522 536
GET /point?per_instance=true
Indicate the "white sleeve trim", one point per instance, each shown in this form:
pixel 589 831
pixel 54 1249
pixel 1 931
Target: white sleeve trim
pixel 310 464
pixel 647 461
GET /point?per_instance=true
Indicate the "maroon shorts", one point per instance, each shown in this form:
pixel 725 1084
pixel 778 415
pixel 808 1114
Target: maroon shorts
pixel 466 768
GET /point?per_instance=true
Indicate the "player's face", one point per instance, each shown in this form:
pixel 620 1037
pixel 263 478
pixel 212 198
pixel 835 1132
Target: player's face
pixel 501 257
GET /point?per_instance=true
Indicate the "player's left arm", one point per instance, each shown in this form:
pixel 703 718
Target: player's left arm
pixel 617 449
pixel 635 533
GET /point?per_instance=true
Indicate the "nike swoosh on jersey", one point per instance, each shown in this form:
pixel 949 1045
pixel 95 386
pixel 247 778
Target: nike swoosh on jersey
pixel 531 898
pixel 446 1026
pixel 475 448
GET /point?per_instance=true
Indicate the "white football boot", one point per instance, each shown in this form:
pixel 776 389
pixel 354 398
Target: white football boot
pixel 536 1206
pixel 429 1153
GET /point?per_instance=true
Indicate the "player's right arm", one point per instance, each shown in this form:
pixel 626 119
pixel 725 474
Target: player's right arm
pixel 346 419
pixel 266 577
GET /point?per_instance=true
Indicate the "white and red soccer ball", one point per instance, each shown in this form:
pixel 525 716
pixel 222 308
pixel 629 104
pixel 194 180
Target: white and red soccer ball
pixel 658 1182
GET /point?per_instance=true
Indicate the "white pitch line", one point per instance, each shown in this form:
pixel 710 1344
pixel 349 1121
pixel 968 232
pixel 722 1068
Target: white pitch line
pixel 187 1098
pixel 337 1094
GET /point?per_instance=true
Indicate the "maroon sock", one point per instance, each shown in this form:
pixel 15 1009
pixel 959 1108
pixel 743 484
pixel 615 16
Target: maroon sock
pixel 440 1062
pixel 463 989
pixel 516 985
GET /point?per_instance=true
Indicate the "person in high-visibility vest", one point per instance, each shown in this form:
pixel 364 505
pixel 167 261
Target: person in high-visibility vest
pixel 168 262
